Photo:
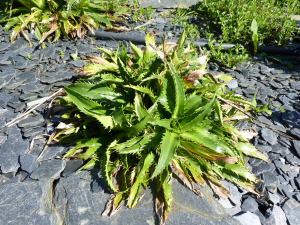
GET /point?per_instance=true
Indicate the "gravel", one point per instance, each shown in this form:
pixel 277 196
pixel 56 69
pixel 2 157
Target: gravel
pixel 27 174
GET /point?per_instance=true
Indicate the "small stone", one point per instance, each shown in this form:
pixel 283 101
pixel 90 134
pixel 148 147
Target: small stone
pixel 297 197
pixel 292 211
pixel 28 162
pixel 248 218
pixel 232 84
pixel 286 189
pixel 49 169
pixel 32 121
pixel 280 218
pixel 277 148
pixel 295 132
pixel 271 181
pixel 72 166
pixel 264 148
pixel 297 146
pixel 263 167
pixel 275 198
pixel 295 85
pixel 249 205
pixel 269 136
pixel 98 185
pixel 51 151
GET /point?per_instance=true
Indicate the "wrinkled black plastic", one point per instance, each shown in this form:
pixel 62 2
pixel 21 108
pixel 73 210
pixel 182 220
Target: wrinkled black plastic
pixel 140 39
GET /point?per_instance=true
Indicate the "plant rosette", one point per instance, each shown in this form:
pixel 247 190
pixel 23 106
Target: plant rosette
pixel 72 18
pixel 156 113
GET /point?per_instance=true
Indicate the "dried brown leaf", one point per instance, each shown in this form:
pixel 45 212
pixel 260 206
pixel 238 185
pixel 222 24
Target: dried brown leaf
pixel 158 52
pixel 159 209
pixel 47 144
pixel 182 176
pixel 247 135
pixel 202 60
pixel 224 107
pixel 96 59
pixel 27 38
pixel 63 126
pixel 35 138
pixel 54 27
pixel 194 75
pixel 252 189
pixel 170 46
pixel 238 117
pixel 219 189
pixel 109 205
pixel 226 159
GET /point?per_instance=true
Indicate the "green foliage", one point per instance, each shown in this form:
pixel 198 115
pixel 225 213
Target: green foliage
pixel 181 16
pixel 146 116
pixel 140 11
pixel 72 18
pixel 254 35
pixel 229 58
pixel 233 18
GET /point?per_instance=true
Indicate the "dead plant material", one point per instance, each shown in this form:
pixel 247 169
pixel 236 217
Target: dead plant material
pixel 36 138
pixel 46 146
pixel 54 27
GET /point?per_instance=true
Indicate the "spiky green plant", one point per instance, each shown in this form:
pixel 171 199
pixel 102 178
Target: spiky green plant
pixel 73 18
pixel 155 113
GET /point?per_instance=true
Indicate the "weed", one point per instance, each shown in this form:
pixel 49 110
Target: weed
pixel 156 113
pixel 230 58
pixel 234 17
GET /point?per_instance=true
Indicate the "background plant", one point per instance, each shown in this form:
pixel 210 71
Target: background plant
pixel 139 11
pixel 73 18
pixel 234 17
pixel 229 58
pixel 155 114
pixel 181 17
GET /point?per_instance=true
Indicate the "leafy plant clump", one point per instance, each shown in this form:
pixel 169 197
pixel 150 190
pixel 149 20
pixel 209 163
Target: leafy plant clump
pixel 234 17
pixel 72 18
pixel 147 116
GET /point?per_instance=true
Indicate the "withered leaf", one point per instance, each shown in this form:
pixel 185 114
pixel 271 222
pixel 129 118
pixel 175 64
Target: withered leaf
pixel 96 59
pixel 219 189
pixel 54 27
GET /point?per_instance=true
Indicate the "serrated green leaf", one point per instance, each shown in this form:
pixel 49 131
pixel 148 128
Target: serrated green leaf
pixel 239 170
pixel 206 153
pixel 106 170
pixel 91 143
pixel 192 104
pixel 143 90
pixel 90 108
pixel 218 109
pixel 119 117
pixel 135 189
pixel 136 129
pixel 128 143
pixel 179 93
pixel 163 123
pixel 139 146
pixel 139 107
pixel 37 33
pixel 250 150
pixel 90 164
pixel 169 145
pixel 137 52
pixel 96 92
pixel 149 38
pixel 205 110
pixel 209 140
pixel 240 100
